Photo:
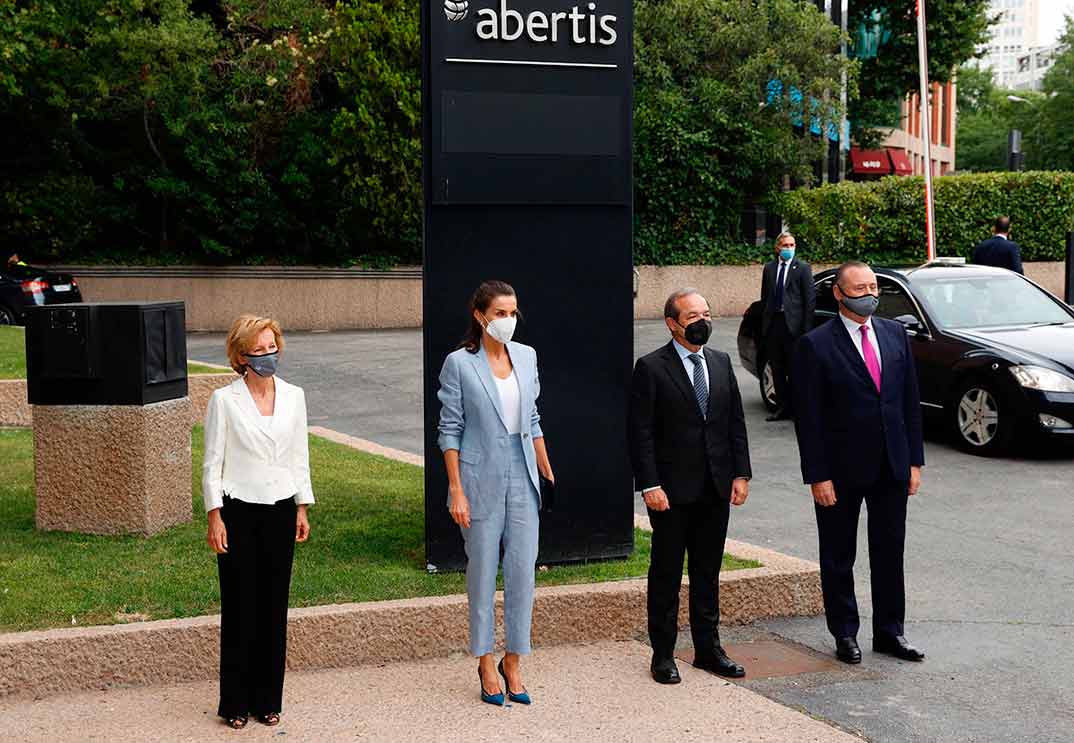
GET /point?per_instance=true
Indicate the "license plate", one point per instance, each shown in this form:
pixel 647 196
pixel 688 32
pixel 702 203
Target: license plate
pixel 61 287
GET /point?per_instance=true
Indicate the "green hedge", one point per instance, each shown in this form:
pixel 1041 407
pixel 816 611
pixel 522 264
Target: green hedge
pixel 884 221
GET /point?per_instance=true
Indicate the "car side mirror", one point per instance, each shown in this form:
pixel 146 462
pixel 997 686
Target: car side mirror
pixel 912 324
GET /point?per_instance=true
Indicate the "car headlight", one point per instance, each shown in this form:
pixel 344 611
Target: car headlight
pixel 1045 380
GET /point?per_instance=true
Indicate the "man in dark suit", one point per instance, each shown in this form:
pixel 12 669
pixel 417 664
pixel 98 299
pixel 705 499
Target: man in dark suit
pixel 691 460
pixel 999 250
pixel 858 420
pixel 789 299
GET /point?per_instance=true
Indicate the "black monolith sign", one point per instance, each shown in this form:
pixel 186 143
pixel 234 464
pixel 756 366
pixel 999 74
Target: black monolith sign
pixel 527 177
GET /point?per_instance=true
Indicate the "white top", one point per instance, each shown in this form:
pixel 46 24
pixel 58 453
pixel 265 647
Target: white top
pixel 684 354
pixel 853 327
pixel 511 401
pixel 252 457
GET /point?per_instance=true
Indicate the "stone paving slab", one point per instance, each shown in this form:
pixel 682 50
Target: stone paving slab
pixel 593 693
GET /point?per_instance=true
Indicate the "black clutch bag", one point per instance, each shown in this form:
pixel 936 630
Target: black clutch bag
pixel 548 493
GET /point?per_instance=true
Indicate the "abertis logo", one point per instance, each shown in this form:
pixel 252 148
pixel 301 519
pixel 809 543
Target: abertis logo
pixel 456 10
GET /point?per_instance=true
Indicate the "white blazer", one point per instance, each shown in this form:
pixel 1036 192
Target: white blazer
pixel 252 458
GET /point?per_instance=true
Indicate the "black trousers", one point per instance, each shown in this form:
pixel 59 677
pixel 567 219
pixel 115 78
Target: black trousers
pixel 837 527
pixel 700 530
pixel 255 580
pixel 779 345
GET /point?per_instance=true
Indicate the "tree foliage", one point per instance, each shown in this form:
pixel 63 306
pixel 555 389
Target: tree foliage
pixel 889 67
pixel 711 130
pixel 163 130
pixel 1046 119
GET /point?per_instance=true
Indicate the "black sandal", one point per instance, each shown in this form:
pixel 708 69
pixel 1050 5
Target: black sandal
pixel 237 723
pixel 272 719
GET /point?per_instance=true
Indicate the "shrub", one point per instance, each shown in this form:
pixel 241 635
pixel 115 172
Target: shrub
pixel 884 221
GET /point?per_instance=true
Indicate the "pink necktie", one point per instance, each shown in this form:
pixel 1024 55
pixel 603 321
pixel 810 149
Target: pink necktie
pixel 871 362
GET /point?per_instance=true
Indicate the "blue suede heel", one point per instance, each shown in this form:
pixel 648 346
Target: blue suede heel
pixel 487 698
pixel 523 698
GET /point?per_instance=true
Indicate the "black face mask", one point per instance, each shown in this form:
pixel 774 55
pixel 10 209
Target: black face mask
pixel 697 333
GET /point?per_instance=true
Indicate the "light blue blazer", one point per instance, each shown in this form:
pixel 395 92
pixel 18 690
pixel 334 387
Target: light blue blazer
pixel 472 421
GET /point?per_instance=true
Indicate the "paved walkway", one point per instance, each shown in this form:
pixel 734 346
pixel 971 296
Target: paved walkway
pixel 589 694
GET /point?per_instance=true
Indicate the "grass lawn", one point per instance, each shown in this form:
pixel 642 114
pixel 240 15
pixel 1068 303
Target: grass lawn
pixel 367 544
pixel 12 352
pixel 13 355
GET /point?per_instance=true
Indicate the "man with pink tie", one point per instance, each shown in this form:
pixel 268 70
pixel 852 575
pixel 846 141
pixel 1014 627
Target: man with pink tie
pixel 858 421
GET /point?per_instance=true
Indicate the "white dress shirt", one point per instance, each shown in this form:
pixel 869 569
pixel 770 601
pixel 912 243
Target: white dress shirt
pixel 688 365
pixel 786 265
pixel 511 400
pixel 853 327
pixel 256 458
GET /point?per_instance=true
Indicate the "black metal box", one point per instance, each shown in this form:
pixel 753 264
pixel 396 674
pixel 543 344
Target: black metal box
pixel 113 353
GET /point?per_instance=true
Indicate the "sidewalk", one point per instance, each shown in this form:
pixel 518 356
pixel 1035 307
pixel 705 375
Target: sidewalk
pixel 584 694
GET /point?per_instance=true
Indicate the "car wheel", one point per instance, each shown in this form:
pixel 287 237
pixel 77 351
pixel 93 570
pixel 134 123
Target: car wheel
pixel 768 387
pixel 7 317
pixel 981 421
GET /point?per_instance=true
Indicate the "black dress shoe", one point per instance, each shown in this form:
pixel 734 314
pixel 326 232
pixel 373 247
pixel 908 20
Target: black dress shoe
pixel 718 663
pixel 779 415
pixel 897 646
pixel 847 650
pixel 665 671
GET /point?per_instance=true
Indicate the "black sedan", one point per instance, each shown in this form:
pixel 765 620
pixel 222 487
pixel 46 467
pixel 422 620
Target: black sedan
pixel 23 286
pixel 994 351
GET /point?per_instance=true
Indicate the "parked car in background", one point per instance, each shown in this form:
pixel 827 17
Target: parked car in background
pixel 23 286
pixel 994 351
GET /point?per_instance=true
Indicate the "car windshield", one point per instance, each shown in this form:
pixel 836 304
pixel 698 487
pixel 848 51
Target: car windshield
pixel 988 301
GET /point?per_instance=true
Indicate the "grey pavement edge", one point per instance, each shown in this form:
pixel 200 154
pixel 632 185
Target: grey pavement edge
pixel 988 553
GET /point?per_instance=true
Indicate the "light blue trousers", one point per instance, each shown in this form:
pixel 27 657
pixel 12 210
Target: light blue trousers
pixel 514 522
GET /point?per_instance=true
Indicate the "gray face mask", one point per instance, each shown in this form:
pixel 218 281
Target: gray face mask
pixel 863 306
pixel 264 365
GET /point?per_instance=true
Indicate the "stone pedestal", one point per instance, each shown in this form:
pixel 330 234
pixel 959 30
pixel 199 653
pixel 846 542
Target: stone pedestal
pixel 112 469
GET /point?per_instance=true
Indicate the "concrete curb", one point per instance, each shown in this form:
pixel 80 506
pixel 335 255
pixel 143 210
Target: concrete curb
pixel 47 662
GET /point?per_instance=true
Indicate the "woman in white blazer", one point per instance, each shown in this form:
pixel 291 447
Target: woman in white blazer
pixel 493 448
pixel 256 484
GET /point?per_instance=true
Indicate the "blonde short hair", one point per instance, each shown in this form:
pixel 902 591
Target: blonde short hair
pixel 785 233
pixel 244 333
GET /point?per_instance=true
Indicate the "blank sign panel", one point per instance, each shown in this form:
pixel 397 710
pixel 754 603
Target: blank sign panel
pixel 531 124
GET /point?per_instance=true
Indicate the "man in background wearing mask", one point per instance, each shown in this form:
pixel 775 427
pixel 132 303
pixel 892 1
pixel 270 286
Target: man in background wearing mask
pixel 858 422
pixel 691 460
pixel 789 299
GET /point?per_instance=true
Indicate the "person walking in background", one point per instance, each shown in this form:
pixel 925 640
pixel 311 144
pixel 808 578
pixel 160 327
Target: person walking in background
pixel 256 485
pixel 789 301
pixel 690 456
pixel 999 250
pixel 493 448
pixel 858 422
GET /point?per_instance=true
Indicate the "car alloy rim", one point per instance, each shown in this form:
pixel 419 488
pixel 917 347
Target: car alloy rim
pixel 769 383
pixel 978 416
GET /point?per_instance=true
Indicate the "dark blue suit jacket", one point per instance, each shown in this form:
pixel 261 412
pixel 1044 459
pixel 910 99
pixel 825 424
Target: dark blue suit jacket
pixel 999 252
pixel 847 431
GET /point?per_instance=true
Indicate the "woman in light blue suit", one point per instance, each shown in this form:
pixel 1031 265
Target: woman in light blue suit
pixel 493 448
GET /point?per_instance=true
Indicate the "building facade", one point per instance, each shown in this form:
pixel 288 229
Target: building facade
pixel 1013 37
pixel 907 136
pixel 1034 65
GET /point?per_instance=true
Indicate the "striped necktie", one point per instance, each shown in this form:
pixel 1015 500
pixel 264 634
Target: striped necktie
pixel 701 390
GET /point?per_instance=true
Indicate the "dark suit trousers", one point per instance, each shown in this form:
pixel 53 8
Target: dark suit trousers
pixel 255 580
pixel 698 529
pixel 779 343
pixel 838 529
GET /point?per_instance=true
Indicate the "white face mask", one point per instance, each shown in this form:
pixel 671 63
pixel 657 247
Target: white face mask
pixel 502 329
